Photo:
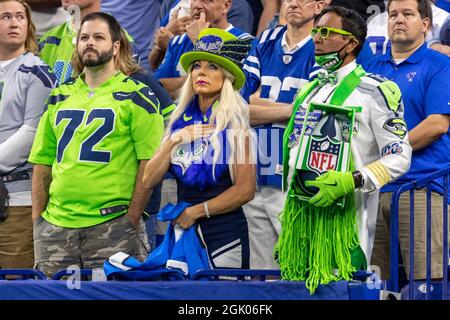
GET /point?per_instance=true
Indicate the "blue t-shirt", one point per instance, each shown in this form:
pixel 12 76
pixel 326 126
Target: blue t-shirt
pixel 141 20
pixel 365 56
pixel 171 67
pixel 241 16
pixel 424 81
pixel 280 75
pixel 444 4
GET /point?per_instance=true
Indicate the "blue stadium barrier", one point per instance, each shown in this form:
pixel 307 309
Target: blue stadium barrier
pixel 34 285
pixel 358 289
pixel 394 259
pixel 23 274
pixel 182 290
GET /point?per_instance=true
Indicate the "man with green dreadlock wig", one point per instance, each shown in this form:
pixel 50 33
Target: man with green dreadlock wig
pixel 330 236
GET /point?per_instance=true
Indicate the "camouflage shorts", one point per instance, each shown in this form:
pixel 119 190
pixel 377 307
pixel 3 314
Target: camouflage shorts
pixel 57 248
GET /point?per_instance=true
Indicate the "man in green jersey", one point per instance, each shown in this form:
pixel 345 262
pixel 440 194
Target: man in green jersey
pixel 90 149
pixel 56 49
pixel 58 44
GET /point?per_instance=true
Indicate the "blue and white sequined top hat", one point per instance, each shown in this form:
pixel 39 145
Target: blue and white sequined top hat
pixel 223 48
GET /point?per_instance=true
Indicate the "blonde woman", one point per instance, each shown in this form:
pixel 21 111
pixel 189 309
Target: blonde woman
pixel 208 148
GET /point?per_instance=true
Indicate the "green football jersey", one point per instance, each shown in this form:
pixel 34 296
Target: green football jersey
pixel 57 45
pixel 93 139
pixel 56 48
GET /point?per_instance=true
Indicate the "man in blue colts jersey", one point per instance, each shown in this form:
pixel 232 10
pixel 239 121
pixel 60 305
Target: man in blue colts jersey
pixel 205 14
pixel 422 75
pixel 276 68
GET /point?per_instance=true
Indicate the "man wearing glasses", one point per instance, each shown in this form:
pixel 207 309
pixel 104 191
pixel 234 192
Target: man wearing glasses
pixel 380 154
pixel 276 68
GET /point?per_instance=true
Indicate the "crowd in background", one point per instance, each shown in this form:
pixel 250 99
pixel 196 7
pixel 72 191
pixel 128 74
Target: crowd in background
pixel 154 36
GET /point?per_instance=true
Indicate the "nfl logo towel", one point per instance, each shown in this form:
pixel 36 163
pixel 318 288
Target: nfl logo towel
pixel 322 150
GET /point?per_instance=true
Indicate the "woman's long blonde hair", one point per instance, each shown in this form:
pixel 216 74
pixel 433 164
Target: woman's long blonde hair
pixel 30 41
pixel 230 114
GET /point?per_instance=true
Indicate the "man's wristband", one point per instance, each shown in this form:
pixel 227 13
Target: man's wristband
pixel 358 179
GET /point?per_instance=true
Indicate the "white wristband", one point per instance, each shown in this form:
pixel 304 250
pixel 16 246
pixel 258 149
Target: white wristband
pixel 205 206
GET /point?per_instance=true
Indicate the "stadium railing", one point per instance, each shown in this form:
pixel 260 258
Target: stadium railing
pixel 394 252
pixel 22 274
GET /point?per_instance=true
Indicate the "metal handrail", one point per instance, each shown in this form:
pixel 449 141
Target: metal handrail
pixel 239 273
pixel 394 265
pixel 23 273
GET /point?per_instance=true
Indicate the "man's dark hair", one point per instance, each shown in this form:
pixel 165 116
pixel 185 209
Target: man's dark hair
pixel 424 8
pixel 351 22
pixel 124 60
pixel 113 25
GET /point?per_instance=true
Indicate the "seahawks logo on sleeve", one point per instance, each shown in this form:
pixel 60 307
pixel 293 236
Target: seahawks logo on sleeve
pixel 397 126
